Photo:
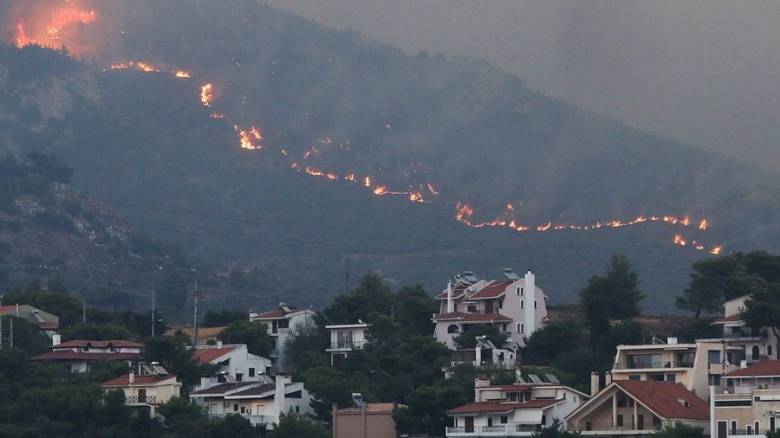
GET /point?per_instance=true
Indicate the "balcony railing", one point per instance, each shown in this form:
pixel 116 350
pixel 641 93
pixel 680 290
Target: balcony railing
pixel 654 364
pixel 147 400
pixel 456 430
pixel 347 345
pixel 493 429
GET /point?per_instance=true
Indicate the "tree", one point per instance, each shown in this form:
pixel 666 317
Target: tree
pixel 468 339
pixel 172 290
pixel 252 333
pixel 172 353
pixel 718 279
pixel 615 296
pixel 762 309
pixel 27 336
pixel 413 309
pixel 554 339
pixel 297 426
pixel 555 430
pixel 97 332
pixel 680 430
pixel 231 426
pixel 221 318
pixel 305 348
pixel 579 363
pixel 373 295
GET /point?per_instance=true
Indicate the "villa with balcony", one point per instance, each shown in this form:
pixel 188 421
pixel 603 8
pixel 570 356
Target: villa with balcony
pixel 282 323
pixel 345 338
pixel 148 390
pixel 517 410
pixel 748 405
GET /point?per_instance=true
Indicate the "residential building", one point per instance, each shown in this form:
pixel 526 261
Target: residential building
pixel 79 356
pixel 148 390
pixel 748 404
pixel 513 410
pixel 235 361
pixel 515 305
pixel 47 322
pixel 757 345
pixel 629 408
pixel 485 353
pixel 262 401
pixel 345 338
pixel 283 322
pixel 371 420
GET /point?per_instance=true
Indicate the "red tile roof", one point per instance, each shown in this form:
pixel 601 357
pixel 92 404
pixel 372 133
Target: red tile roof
pixel 483 407
pixel 665 398
pixel 493 290
pixel 206 355
pixel 731 318
pixel 49 325
pixel 79 356
pixel 457 292
pixel 137 380
pixel 759 369
pixel 116 343
pixel 278 313
pixel 471 317
pixel 510 388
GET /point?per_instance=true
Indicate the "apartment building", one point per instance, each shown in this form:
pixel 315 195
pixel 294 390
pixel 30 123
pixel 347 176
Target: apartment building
pixel 514 410
pixel 748 404
pixel 757 345
pixel 282 323
pixel 515 305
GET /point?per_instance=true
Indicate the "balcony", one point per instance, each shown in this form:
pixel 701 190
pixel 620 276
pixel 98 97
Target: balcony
pixel 653 364
pixel 503 430
pixel 345 345
pixel 148 400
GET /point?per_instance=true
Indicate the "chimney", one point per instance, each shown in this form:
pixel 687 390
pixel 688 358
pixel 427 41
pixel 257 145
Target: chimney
pixel 56 340
pixel 607 378
pixel 450 302
pixel 131 378
pixel 17 310
pixel 279 394
pixel 594 383
pixel 529 296
pixel 219 344
pixel 478 354
pixel 743 364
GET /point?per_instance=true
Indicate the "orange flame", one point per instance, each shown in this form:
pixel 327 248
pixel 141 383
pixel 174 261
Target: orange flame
pixel 207 94
pixel 251 139
pixel 53 33
pixel 181 74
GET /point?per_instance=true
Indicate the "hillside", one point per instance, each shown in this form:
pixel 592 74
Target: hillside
pixel 146 145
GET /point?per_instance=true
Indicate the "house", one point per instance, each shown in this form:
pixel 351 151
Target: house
pixel 749 402
pixel 485 353
pixel 235 362
pixel 370 420
pixel 515 305
pixel 629 408
pixel 283 322
pixel 149 389
pixel 520 409
pixel 345 338
pixel 757 345
pixel 79 356
pixel 47 322
pixel 262 401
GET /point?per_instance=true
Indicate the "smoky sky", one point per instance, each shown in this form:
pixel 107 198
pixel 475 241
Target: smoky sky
pixel 704 72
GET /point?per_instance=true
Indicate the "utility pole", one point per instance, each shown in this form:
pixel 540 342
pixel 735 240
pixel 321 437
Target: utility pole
pixel 346 276
pixel 83 311
pixel 11 341
pixel 154 310
pixel 1 332
pixel 195 322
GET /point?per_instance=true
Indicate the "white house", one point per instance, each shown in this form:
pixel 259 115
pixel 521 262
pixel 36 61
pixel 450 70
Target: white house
pixel 282 323
pixel 79 356
pixel 515 305
pixel 345 338
pixel 236 363
pixel 513 410
pixel 261 402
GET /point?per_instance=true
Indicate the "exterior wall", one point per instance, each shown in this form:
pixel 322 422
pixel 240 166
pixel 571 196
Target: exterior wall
pixel 735 306
pixel 351 426
pixel 158 393
pixel 240 361
pixel 764 404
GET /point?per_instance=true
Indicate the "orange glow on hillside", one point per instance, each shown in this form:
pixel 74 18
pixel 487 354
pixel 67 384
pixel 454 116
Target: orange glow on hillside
pixel 54 28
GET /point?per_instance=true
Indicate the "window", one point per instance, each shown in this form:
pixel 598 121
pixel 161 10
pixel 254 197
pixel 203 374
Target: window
pixel 544 420
pixel 619 421
pixel 239 377
pixel 733 427
pixel 772 424
pixel 504 420
pixel 243 409
pixel 756 428
pixel 452 328
pixel 297 409
pixel 715 379
pixel 749 430
pixel 503 327
pixel 768 350
pixel 519 328
pixel 656 422
pixel 472 308
pixel 640 422
pixel 235 407
pixel 284 324
pixel 588 426
pixel 490 421
pixel 522 328
pixel 756 353
pixel 534 304
pixel 517 292
pixel 522 304
pixel 671 378
pixel 521 291
pixel 634 377
pixel 251 372
pixel 713 357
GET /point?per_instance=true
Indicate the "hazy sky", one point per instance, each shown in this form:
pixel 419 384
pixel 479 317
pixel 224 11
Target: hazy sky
pixel 706 72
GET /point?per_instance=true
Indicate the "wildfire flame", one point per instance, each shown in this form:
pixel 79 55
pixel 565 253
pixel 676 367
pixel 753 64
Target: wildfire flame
pixel 52 30
pixel 250 139
pixel 207 94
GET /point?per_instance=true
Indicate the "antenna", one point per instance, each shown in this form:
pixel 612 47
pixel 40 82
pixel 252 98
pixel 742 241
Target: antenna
pixel 195 322
pixel 154 310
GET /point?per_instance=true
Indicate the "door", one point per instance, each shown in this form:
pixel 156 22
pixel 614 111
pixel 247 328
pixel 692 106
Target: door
pixel 142 396
pixel 722 429
pixel 640 422
pixel 469 424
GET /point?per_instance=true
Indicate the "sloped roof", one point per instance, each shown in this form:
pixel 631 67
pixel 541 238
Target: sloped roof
pixel 472 317
pixel 80 355
pixel 206 355
pixel 116 343
pixel 223 388
pixel 457 292
pixel 483 407
pixel 137 380
pixel 665 399
pixel 278 313
pixel 731 318
pixel 765 368
pixel 492 290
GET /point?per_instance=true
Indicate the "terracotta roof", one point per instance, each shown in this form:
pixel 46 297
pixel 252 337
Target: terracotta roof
pixel 457 292
pixel 204 333
pixel 223 388
pixel 759 369
pixel 493 290
pixel 665 399
pixel 731 318
pixel 471 317
pixel 510 388
pixel 137 380
pixel 279 313
pixel 80 355
pixel 49 325
pixel 481 407
pixel 206 355
pixel 371 408
pixel 116 343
